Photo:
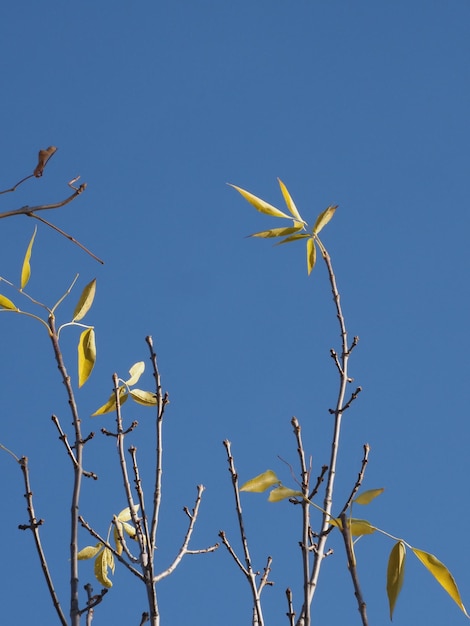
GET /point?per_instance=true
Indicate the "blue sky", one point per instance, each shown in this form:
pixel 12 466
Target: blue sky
pixel 157 106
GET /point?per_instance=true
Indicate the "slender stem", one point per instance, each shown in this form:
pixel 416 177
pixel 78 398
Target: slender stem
pixel 305 543
pixel 342 366
pixel 346 534
pixel 248 570
pixel 162 400
pixel 33 525
pixel 146 550
pixel 77 470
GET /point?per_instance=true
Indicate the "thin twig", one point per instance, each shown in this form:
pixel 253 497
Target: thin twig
pixel 92 601
pixel 290 607
pixel 346 534
pixel 33 525
pixel 304 544
pixel 78 473
pixel 342 366
pixel 15 187
pixel 63 438
pixel 162 401
pixel 28 210
pixel 67 236
pixel 248 570
pixel 360 478
pixel 184 547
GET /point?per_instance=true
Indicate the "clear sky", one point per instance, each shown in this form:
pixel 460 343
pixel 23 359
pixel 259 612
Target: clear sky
pixel 157 105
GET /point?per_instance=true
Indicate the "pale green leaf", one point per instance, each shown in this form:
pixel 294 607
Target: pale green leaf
pixel 147 398
pixel 288 200
pixel 281 493
pixel 278 232
pixel 136 372
pixel 311 255
pixel 261 483
pixel 85 301
pixel 101 568
pixel 260 205
pixel 110 405
pixel 89 552
pixel 125 514
pixel 368 496
pixel 26 267
pixel 5 303
pixel 324 218
pixel 86 355
pixel 441 574
pixel 395 573
pixel 293 238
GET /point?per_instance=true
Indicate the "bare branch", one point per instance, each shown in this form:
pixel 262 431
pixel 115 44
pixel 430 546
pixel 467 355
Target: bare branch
pixel 33 525
pixel 248 570
pixel 290 608
pixel 360 478
pixel 348 543
pixel 184 548
pixel 28 210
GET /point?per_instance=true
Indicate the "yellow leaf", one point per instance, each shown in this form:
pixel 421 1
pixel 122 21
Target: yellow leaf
pixel 110 405
pixel 125 514
pixel 147 398
pixel 26 268
pixel 368 496
pixel 360 527
pixel 395 573
pixel 130 530
pixel 261 483
pixel 85 301
pixel 357 527
pixel 278 232
pixel 136 372
pixel 89 552
pixel 86 355
pixel 281 493
pixel 288 200
pixel 260 205
pixel 5 303
pixel 441 574
pixel 117 541
pixel 293 238
pixel 311 255
pixel 324 218
pixel 104 560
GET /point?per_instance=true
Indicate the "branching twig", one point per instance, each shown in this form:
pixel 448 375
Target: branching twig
pixel 162 401
pixel 33 525
pixel 184 548
pixel 342 367
pixel 78 473
pixel 63 438
pixel 304 544
pixel 92 601
pixel 248 569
